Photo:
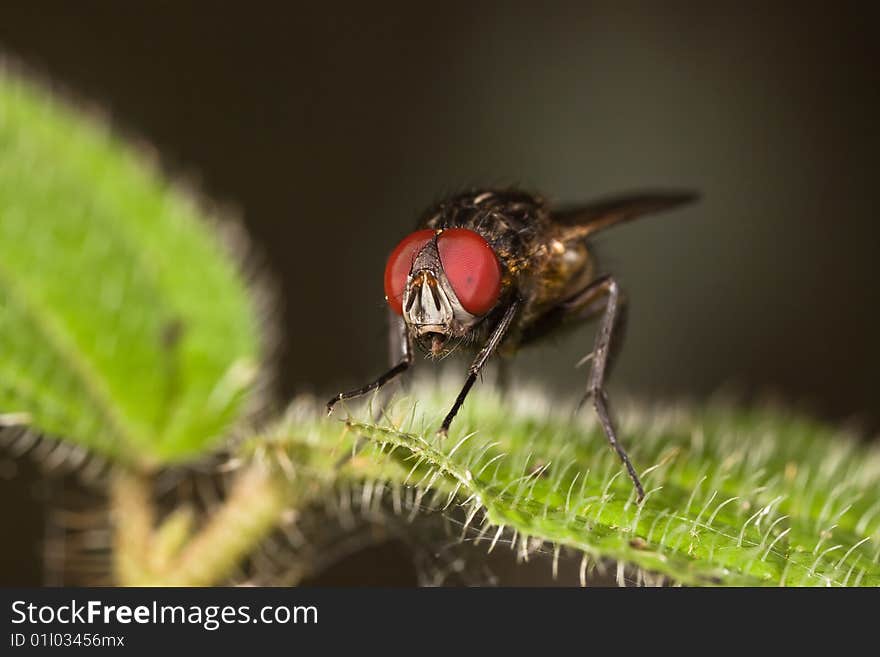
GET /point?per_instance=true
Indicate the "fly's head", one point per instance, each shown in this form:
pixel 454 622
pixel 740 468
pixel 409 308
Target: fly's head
pixel 443 283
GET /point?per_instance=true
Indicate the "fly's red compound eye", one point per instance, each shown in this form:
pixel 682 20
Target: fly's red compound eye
pixel 471 268
pixel 398 266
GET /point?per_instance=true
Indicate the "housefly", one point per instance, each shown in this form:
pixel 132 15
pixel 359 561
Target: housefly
pixel 499 269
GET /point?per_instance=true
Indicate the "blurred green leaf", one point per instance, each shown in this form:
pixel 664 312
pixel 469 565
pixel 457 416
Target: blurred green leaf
pixel 124 326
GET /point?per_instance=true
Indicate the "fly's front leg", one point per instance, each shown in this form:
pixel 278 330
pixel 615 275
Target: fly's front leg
pixel 604 295
pixel 402 360
pixel 400 348
pixel 488 349
pixel 401 357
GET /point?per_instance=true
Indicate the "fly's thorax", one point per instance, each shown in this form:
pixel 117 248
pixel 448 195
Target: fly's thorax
pixel 573 267
pixel 559 269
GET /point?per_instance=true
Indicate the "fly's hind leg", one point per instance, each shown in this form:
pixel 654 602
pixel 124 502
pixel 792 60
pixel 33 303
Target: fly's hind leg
pixel 603 296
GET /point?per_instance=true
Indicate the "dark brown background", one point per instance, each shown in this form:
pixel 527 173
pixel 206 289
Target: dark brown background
pixel 331 128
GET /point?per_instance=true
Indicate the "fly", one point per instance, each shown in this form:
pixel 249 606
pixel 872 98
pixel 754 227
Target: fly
pixel 499 269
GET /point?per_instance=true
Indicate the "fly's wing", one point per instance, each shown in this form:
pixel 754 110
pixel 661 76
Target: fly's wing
pixel 587 219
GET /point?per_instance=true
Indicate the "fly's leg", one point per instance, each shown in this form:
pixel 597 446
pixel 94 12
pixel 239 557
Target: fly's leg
pixel 603 295
pixel 403 359
pixel 400 348
pixel 474 370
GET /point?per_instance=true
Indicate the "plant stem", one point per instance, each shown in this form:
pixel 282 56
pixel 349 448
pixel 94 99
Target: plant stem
pixel 252 510
pixel 145 556
pixel 133 518
pixel 170 538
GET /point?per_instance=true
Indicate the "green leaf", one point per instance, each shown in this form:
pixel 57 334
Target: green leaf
pixel 124 325
pixel 760 497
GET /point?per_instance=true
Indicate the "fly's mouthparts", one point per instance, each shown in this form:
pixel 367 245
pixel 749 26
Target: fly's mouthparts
pixel 437 343
pixel 426 304
pixel 424 280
